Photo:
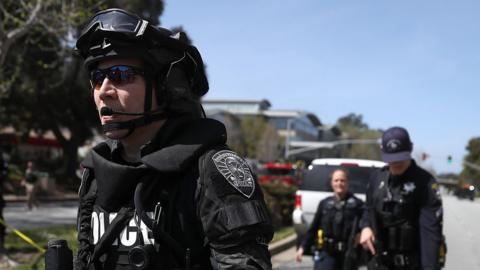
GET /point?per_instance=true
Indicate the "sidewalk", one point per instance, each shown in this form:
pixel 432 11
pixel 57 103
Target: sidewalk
pixel 50 198
pixel 274 248
pixel 282 244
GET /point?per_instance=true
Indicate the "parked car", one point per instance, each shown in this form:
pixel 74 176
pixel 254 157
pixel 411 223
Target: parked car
pixel 316 186
pixel 466 191
pixel 278 172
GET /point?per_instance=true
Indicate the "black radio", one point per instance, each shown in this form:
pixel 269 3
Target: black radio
pixel 58 256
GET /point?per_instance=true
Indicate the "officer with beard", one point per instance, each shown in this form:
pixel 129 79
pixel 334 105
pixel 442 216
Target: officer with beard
pixel 163 191
pixel 402 223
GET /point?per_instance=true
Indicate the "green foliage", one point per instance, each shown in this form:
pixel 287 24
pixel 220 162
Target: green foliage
pixel 353 127
pixel 15 174
pixel 260 138
pixel 31 258
pixel 41 236
pixel 280 199
pixel 282 233
pixel 471 174
pixel 43 87
pixel 351 122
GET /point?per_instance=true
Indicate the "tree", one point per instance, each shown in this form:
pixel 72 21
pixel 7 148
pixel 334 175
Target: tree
pixel 43 87
pixel 469 173
pixel 353 127
pixel 353 121
pixel 235 137
pixel 261 139
pixel 16 24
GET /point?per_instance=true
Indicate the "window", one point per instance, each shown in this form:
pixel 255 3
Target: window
pixel 318 178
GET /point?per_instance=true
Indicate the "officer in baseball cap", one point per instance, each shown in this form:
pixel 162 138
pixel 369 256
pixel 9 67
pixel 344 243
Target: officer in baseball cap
pixel 402 223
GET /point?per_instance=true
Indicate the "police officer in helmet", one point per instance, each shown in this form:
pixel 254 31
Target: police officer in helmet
pixel 402 223
pixel 163 191
pixel 335 221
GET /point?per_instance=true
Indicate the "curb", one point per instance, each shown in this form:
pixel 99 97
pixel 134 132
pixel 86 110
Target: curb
pixel 282 244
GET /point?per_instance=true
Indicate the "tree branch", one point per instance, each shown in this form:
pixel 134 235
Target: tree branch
pixel 19 32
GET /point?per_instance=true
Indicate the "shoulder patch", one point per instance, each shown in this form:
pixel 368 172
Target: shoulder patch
pixel 236 171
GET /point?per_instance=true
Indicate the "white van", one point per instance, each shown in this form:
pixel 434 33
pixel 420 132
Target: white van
pixel 315 186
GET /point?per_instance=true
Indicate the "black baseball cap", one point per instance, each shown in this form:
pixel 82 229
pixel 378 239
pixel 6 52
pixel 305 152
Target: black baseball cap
pixel 396 145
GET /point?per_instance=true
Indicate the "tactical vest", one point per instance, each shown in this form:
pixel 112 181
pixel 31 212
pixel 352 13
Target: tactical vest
pixel 122 238
pixel 190 191
pixel 397 211
pixel 337 222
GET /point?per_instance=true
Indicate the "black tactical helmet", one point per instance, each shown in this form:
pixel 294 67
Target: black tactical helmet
pixel 173 67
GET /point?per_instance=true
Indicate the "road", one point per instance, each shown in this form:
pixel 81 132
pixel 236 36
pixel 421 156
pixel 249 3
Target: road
pixel 461 217
pixel 52 213
pixel 460 220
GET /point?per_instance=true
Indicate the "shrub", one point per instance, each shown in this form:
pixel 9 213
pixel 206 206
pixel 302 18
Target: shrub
pixel 280 199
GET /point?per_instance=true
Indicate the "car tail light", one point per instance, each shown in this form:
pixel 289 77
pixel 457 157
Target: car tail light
pixel 298 201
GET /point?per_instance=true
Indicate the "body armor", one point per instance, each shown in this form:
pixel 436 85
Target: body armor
pixel 172 208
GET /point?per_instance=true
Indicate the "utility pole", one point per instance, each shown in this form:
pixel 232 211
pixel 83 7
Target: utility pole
pixel 287 138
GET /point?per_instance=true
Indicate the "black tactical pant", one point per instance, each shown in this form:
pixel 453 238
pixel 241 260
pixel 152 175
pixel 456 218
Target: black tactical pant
pixel 325 261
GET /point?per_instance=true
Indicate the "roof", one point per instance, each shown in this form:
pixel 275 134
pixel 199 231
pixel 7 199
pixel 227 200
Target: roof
pixel 294 114
pixel 264 102
pixel 350 161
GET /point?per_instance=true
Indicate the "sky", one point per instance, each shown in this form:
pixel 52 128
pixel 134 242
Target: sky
pixel 404 63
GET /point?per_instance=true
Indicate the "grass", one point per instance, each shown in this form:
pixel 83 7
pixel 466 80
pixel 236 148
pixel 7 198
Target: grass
pixel 282 233
pixel 30 257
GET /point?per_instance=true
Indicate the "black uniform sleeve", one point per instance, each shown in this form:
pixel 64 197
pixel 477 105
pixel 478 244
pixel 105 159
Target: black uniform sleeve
pixel 359 213
pixel 430 223
pixel 233 213
pixel 368 207
pixel 311 234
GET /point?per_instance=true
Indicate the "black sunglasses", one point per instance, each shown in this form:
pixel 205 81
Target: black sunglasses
pixel 117 74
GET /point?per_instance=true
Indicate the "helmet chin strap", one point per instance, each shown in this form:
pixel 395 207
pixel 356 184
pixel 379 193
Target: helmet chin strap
pixel 131 125
pixel 146 118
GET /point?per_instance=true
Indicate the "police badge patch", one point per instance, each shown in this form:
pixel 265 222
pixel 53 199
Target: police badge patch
pixel 236 171
pixel 409 187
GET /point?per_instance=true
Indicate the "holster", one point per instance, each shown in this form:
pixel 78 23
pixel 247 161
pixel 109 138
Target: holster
pixel 376 263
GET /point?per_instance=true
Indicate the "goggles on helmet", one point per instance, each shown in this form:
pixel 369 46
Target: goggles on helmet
pixel 112 21
pixel 117 20
pixel 119 33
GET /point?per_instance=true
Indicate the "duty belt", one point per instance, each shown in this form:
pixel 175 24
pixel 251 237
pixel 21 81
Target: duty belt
pixel 334 246
pixel 399 260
